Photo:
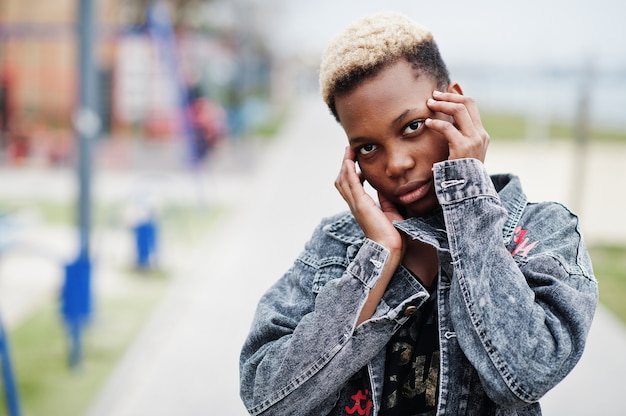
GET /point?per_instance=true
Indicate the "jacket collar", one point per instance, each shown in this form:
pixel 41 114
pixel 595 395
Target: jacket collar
pixel 513 199
pixel 431 229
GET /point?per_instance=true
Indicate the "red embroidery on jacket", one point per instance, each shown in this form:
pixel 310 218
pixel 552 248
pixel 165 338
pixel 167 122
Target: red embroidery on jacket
pixel 522 246
pixel 359 397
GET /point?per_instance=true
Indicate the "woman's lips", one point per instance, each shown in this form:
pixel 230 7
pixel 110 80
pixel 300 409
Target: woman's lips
pixel 413 191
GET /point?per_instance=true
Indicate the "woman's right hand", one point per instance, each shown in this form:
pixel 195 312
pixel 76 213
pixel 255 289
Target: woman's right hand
pixel 376 222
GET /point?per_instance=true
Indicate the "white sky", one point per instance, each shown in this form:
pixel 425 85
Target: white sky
pixel 497 32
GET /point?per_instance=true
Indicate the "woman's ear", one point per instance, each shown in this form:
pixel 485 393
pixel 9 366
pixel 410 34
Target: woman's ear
pixel 455 88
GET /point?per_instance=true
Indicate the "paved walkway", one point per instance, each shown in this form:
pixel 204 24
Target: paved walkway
pixel 186 359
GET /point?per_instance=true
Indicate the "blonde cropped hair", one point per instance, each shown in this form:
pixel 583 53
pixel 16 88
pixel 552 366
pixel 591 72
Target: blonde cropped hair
pixel 371 43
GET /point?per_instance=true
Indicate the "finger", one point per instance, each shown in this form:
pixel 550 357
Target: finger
pixel 464 112
pixel 349 181
pixel 386 205
pixel 342 175
pixel 445 128
pixel 389 208
pixel 460 146
pixel 350 155
pixel 467 101
pixel 342 183
pixel 459 113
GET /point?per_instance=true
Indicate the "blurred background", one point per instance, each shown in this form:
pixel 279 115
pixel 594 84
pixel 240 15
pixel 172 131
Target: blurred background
pixel 138 152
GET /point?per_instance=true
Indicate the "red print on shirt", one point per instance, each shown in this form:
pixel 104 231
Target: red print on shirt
pixel 359 397
pixel 522 246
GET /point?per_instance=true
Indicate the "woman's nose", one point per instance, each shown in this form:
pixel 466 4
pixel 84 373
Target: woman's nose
pixel 399 161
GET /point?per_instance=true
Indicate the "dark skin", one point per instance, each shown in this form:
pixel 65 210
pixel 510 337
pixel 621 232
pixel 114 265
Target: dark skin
pixel 398 126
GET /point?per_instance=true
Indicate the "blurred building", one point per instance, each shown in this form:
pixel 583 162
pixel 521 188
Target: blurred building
pixel 37 67
pixel 219 55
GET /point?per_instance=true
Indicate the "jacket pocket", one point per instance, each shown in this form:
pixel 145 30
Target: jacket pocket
pixel 330 268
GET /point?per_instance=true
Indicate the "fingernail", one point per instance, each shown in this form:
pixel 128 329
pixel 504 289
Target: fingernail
pixel 431 101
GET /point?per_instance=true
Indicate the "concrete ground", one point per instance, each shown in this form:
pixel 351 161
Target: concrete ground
pixel 185 361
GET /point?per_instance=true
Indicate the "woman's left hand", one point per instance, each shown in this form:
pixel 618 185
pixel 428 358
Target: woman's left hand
pixel 463 128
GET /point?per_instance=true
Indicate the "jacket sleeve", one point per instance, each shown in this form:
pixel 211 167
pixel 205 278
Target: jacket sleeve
pixel 521 309
pixel 302 347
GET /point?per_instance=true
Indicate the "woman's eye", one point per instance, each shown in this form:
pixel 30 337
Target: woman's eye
pixel 413 126
pixel 367 149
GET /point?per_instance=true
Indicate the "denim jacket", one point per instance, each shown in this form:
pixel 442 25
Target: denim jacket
pixel 516 296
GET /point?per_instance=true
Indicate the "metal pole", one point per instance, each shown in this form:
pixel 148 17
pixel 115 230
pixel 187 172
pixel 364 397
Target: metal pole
pixel 76 292
pixel 86 121
pixel 582 133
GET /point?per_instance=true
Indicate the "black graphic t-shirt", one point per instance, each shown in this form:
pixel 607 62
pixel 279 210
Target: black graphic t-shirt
pixel 356 397
pixel 412 365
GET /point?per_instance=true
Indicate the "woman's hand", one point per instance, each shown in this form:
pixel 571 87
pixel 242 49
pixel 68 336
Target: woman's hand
pixel 375 221
pixel 464 131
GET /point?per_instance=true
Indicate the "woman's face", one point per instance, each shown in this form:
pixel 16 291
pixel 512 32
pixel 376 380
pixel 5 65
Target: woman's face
pixel 384 120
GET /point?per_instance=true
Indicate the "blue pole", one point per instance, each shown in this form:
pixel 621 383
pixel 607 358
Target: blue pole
pixel 76 295
pixel 10 388
pixel 76 305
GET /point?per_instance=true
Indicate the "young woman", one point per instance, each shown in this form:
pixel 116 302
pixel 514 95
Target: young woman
pixel 450 295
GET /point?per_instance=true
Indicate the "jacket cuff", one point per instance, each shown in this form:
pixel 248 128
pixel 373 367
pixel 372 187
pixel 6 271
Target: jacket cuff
pixel 369 262
pixel 460 179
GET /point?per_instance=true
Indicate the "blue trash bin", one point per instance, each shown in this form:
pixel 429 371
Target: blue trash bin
pixel 146 243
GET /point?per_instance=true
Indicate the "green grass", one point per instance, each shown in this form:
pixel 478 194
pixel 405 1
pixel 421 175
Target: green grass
pixel 50 212
pixel 47 385
pixel 270 127
pixel 186 221
pixel 189 223
pixel 505 126
pixel 609 263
